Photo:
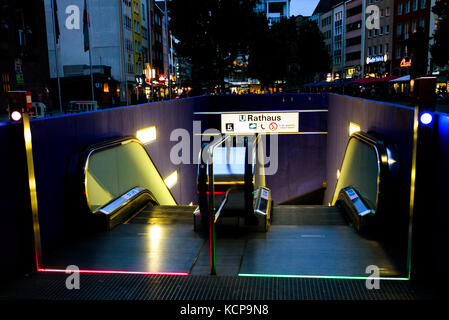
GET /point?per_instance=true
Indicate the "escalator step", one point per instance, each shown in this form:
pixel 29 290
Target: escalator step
pixel 307 215
pixel 165 215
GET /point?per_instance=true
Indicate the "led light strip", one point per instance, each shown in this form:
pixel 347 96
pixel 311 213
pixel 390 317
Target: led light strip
pixel 319 277
pixel 113 272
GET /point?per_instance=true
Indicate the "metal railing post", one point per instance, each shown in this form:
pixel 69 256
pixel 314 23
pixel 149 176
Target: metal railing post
pixel 211 215
pixel 211 188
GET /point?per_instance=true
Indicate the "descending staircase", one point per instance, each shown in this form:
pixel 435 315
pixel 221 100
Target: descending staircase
pixel 164 215
pixel 307 215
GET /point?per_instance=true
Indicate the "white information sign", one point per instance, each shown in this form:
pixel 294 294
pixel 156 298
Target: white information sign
pixel 260 122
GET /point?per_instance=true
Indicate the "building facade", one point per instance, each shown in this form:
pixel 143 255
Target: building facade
pixel 379 41
pixel 23 51
pixel 167 75
pixel 409 17
pixel 275 10
pixel 327 30
pixel 354 39
pixel 338 53
pixel 116 44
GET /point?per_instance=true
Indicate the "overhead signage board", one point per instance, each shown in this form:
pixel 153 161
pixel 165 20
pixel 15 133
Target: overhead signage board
pixel 260 122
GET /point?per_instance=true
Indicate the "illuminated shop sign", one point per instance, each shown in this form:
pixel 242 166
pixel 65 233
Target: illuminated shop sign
pixel 406 63
pixel 376 59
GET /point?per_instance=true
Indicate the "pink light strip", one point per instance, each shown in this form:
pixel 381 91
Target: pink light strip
pixel 114 272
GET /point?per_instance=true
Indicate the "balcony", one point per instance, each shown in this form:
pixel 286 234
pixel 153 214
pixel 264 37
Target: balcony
pixel 353 34
pixel 351 63
pixel 354 18
pixel 354 48
pixel 353 4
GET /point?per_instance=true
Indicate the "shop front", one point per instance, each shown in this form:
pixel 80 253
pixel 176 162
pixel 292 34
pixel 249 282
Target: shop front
pixel 378 66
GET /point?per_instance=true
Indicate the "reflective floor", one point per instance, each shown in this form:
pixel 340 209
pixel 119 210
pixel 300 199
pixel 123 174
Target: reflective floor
pixel 303 240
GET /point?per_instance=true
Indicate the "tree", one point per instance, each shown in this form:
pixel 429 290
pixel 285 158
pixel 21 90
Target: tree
pixel 271 52
pixel 292 51
pixel 262 63
pixel 212 33
pixel 440 48
pixel 313 57
pixel 418 45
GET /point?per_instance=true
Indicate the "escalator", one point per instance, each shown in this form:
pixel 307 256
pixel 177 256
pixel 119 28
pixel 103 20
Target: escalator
pixel 236 186
pixel 129 221
pixel 360 228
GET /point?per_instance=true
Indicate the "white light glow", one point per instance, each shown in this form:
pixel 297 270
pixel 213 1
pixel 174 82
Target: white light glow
pixel 171 180
pixel 155 233
pixel 391 161
pixel 353 127
pixel 16 115
pixel 146 135
pixel 426 118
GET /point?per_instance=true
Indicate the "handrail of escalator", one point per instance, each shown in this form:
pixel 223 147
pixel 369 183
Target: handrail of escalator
pixel 210 148
pixel 222 204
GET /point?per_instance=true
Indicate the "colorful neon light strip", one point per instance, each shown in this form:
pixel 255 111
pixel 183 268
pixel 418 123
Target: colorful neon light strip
pixel 320 277
pixel 113 272
pixel 215 192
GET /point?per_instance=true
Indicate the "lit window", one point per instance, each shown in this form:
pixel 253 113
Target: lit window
pixel 407 6
pixel 422 23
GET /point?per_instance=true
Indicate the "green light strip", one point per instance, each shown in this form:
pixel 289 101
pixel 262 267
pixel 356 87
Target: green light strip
pixel 319 277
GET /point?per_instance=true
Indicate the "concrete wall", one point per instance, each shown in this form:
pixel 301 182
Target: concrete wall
pixel 15 220
pixel 437 236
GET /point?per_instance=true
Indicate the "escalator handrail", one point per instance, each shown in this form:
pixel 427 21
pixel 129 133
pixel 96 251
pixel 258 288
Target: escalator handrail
pixel 92 149
pixel 380 150
pixel 222 204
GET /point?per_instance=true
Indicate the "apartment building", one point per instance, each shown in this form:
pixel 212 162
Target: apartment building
pixel 115 48
pixel 379 40
pixel 354 39
pixel 338 38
